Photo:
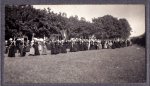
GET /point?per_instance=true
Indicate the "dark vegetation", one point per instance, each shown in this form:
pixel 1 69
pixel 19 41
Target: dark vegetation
pixel 25 20
pixel 140 40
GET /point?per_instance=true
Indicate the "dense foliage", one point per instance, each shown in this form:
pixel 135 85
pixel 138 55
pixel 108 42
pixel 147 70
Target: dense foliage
pixel 25 20
pixel 140 40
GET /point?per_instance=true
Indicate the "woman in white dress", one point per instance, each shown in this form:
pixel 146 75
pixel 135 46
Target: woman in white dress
pixel 40 47
pixel 105 45
pixel 44 49
pixel 32 49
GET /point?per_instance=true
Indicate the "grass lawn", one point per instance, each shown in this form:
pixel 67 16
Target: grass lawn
pixel 124 65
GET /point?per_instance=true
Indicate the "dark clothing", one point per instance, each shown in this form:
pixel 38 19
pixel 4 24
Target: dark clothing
pixel 114 45
pixel 103 44
pixel 58 48
pixel 92 46
pixel 54 49
pixel 63 48
pixel 95 45
pixel 85 46
pixel 28 48
pixel 78 46
pixel 6 49
pixel 18 43
pixel 35 46
pixel 8 43
pixel 23 51
pixel 81 46
pixel 128 43
pixel 48 46
pixel 11 52
pixel 73 47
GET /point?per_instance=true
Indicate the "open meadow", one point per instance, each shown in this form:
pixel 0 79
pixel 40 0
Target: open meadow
pixel 121 65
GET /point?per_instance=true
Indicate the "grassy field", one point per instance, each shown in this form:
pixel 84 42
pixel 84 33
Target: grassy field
pixel 124 65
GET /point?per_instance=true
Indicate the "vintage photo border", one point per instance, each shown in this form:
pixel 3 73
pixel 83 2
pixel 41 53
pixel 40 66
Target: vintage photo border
pixel 44 2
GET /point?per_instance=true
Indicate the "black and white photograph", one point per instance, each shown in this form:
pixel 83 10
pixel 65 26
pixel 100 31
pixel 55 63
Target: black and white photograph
pixel 75 43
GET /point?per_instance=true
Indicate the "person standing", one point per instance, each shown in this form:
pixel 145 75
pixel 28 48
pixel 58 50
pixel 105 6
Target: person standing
pixel 39 47
pixel 53 48
pixel 32 51
pixel 113 44
pixel 36 49
pixel 80 46
pixel 105 45
pixel 48 45
pixel 99 44
pixel 23 50
pixel 110 44
pixel 73 47
pixel 95 45
pixel 44 49
pixel 27 46
pixel 63 47
pixel 92 45
pixel 89 43
pixel 85 46
pixel 6 47
pixel 18 45
pixel 11 50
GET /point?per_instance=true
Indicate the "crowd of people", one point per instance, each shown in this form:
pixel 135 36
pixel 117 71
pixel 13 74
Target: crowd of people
pixel 35 47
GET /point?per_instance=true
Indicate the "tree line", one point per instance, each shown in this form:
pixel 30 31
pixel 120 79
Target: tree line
pixel 23 20
pixel 139 40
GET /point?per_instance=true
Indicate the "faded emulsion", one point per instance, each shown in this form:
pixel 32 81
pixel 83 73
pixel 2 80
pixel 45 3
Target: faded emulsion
pixel 75 43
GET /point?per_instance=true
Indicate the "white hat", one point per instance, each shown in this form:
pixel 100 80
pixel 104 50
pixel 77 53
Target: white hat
pixel 35 39
pixel 32 41
pixel 41 39
pixel 18 39
pixel 10 39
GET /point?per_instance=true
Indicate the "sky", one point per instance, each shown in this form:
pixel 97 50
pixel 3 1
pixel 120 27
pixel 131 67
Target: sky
pixel 135 14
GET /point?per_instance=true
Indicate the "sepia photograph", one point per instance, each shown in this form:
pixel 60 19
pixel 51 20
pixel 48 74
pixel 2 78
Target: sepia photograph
pixel 75 43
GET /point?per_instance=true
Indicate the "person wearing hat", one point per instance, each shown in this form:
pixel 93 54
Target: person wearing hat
pixel 17 46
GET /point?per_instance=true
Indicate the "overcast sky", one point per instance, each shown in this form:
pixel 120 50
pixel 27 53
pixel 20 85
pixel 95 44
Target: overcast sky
pixel 135 14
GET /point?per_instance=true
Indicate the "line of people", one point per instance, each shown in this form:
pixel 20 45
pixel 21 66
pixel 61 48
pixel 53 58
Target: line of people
pixel 60 46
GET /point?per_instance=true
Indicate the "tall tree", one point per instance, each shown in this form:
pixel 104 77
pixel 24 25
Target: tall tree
pixel 124 28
